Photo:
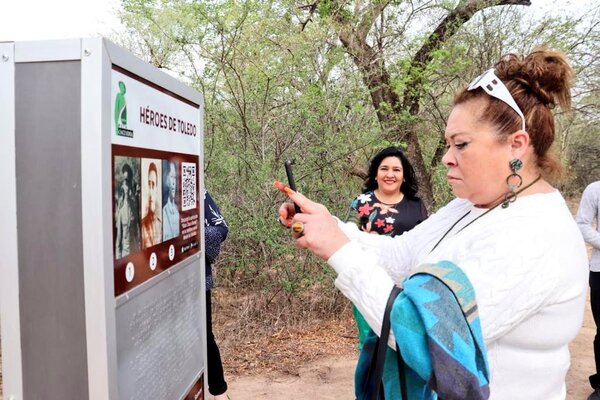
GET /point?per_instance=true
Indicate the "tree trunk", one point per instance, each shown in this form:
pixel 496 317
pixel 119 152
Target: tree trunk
pixel 386 101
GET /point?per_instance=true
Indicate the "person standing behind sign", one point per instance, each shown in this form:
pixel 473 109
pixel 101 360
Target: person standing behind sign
pixel 215 232
pixel 388 205
pixel 170 211
pixel 589 210
pixel 151 222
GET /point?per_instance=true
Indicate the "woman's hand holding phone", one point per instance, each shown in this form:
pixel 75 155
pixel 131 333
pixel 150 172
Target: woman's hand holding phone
pixel 290 177
pixel 320 233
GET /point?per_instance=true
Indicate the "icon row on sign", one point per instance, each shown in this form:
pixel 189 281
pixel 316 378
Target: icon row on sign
pixel 152 263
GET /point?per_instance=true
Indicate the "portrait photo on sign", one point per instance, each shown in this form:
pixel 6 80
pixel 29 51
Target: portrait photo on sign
pixel 127 205
pixel 170 210
pixel 151 226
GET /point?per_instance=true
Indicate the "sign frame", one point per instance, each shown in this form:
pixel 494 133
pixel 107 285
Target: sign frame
pixel 97 58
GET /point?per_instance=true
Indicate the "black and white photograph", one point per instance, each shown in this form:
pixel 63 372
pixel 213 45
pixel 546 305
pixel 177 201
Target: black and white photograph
pixel 127 205
pixel 170 210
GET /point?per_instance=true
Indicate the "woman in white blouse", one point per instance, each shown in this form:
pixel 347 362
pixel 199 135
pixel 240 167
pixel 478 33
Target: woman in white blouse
pixel 509 229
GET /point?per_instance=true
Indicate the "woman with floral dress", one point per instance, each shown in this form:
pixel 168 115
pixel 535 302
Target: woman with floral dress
pixel 388 205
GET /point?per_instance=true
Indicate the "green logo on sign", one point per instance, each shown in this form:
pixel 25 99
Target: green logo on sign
pixel 121 113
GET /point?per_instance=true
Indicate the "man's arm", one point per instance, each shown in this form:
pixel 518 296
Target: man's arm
pixel 587 212
pixel 213 216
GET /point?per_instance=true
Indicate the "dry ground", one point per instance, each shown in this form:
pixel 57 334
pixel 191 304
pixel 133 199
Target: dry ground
pixel 319 364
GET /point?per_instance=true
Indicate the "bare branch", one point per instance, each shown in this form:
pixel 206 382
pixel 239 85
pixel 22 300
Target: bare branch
pixel 312 8
pixel 370 15
pixel 463 12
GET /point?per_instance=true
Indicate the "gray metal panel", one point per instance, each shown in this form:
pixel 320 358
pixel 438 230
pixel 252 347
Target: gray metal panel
pixel 160 335
pixel 48 171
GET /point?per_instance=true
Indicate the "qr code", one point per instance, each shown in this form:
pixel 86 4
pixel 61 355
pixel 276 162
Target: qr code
pixel 188 186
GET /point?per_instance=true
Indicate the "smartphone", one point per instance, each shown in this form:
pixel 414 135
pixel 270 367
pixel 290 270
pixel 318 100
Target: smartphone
pixel 288 170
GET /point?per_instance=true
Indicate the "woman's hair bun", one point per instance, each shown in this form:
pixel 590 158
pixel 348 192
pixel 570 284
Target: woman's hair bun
pixel 545 73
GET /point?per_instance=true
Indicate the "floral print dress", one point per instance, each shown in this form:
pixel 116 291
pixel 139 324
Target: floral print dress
pixel 374 216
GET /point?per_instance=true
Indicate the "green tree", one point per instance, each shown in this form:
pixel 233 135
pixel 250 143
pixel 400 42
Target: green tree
pixel 400 73
pixel 327 83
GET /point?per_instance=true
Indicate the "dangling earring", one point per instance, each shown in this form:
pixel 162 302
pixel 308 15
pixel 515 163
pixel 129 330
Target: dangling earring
pixel 513 181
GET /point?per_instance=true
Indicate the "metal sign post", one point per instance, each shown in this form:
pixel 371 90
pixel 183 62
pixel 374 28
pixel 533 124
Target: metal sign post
pixel 102 267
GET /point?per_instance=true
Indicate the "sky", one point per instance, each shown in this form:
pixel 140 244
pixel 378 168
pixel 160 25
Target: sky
pixel 57 19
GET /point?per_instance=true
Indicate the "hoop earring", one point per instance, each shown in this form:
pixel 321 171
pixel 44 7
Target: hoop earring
pixel 513 181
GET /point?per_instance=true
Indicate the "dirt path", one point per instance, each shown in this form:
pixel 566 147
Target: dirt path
pixel 582 359
pixel 331 376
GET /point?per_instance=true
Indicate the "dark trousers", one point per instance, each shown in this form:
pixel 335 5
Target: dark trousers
pixel 595 302
pixel 216 379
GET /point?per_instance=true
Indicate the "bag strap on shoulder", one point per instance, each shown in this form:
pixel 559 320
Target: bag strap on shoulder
pixel 376 371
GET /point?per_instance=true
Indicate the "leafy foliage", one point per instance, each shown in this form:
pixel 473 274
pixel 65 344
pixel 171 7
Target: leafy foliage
pixel 282 80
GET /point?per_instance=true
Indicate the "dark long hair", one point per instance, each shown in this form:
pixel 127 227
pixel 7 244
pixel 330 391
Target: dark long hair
pixel 409 187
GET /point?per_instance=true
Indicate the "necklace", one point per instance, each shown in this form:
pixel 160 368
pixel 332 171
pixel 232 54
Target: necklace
pixel 505 203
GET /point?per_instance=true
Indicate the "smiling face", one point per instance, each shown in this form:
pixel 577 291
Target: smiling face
pixel 390 175
pixel 477 158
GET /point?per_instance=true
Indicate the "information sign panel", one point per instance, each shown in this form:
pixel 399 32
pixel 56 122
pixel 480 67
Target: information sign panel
pixel 102 276
pixel 155 168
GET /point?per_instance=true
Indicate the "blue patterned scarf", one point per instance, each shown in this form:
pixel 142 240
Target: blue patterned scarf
pixel 436 324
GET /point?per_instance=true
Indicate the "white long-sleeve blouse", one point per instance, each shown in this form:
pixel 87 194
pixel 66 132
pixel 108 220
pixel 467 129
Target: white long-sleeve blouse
pixel 527 263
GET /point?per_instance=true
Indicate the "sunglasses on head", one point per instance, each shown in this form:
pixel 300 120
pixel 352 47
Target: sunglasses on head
pixel 493 86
